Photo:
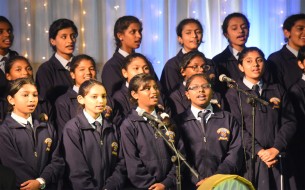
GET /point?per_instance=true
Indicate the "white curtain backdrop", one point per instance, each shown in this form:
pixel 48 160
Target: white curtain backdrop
pixel 95 20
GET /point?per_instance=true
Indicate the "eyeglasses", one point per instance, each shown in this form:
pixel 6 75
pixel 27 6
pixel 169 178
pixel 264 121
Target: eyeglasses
pixel 203 67
pixel 199 87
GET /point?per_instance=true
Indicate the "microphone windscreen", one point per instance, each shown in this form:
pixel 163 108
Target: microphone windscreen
pixel 221 77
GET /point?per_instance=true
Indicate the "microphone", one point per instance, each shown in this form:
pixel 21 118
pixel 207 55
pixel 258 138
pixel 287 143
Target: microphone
pixel 224 78
pixel 142 113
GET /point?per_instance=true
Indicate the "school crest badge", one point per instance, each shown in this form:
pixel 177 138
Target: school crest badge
pixel 48 141
pixel 275 102
pixel 223 134
pixel 114 148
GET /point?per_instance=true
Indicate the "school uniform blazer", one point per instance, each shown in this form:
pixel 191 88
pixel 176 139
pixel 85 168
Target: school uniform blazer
pixel 3 81
pixel 274 127
pixel 30 157
pixel 67 107
pixel 112 76
pixel 221 153
pixel 284 67
pixel 171 77
pixel 90 160
pixel 52 79
pixel 148 159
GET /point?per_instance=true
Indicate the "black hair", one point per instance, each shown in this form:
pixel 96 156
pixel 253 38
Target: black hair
pixel 10 62
pixel 87 85
pixel 4 19
pixel 121 25
pixel 130 57
pixel 77 59
pixel 290 22
pixel 246 50
pixel 226 21
pixel 137 81
pixel 186 21
pixel 187 58
pixel 301 54
pixel 58 25
pixel 200 75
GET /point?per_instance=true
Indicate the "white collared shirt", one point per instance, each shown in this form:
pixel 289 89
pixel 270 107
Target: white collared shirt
pixel 2 65
pixel 293 51
pixel 76 88
pixel 184 51
pixel 303 76
pixel 234 52
pixel 195 111
pixel 63 61
pixel 22 121
pixel 250 85
pixel 139 110
pixel 91 120
pixel 127 84
pixel 122 52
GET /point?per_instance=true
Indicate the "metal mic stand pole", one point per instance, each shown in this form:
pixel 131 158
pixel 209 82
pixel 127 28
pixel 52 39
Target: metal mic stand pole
pixel 179 157
pixel 252 100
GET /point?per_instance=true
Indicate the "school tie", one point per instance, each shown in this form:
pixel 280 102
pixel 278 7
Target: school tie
pixel 255 88
pixel 68 66
pixel 29 127
pixel 2 63
pixel 98 127
pixel 203 115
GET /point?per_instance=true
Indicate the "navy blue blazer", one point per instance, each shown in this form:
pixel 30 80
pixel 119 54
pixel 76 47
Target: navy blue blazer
pixel 284 67
pixel 3 81
pixel 90 159
pixel 171 77
pixel 112 76
pixel 52 79
pixel 30 157
pixel 222 151
pixel 147 157
pixel 281 121
pixel 275 127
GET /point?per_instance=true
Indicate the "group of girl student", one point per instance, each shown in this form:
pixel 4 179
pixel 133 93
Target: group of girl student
pixel 189 32
pixel 82 68
pixel 275 124
pixel 212 140
pixel 147 157
pixel 29 146
pixel 53 77
pixel 128 36
pixel 193 62
pixel 90 141
pixel 19 67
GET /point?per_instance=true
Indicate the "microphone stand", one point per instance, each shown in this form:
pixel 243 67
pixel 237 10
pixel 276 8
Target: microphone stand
pixel 252 100
pixel 179 157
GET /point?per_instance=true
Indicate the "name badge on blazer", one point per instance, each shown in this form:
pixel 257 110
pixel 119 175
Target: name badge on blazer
pixel 114 148
pixel 223 134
